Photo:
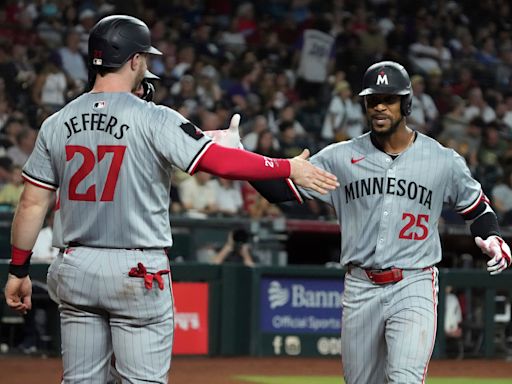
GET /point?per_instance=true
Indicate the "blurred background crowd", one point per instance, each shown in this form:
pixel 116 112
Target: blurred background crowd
pixel 259 59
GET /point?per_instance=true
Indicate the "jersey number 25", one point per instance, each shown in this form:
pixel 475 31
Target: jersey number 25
pixel 420 232
pixel 88 164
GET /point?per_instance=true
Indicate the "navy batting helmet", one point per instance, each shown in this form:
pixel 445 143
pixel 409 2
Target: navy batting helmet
pixel 389 78
pixel 115 39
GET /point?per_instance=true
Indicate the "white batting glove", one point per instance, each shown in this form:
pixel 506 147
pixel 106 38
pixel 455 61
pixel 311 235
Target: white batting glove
pixel 227 137
pixel 497 250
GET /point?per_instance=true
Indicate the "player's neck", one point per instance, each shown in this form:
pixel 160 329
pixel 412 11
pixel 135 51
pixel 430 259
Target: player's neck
pixel 397 142
pixel 111 83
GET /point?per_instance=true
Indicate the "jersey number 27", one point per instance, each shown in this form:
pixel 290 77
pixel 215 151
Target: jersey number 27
pixel 88 164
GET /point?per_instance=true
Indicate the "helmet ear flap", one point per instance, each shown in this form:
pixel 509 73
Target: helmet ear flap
pixel 406 104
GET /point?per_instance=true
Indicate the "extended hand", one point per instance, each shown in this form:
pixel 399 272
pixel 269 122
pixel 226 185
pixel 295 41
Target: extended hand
pixel 227 137
pixel 18 292
pixel 497 250
pixel 306 175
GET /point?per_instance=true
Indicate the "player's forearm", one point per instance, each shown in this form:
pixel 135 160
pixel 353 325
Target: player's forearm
pixel 27 223
pixel 237 164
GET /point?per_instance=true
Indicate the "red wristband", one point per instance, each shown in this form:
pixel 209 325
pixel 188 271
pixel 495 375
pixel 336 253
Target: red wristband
pixel 19 256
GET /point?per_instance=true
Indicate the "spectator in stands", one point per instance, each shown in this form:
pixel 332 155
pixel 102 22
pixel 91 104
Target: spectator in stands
pixel 289 143
pixel 50 29
pixel 184 93
pixel 453 314
pixel 236 249
pixel 208 90
pixel 315 61
pixel 424 112
pixel 491 151
pixel 474 133
pixel 478 106
pixel 72 60
pixel 86 19
pixel 288 114
pixel 257 125
pixel 256 205
pixel 503 73
pixel 51 85
pixel 12 128
pixel 198 195
pixel 229 199
pixel 465 82
pixel 25 143
pixel 445 56
pixel 454 124
pixel 423 55
pixel 344 118
pixel 502 198
pixel 373 41
pixel 266 145
pixel 10 193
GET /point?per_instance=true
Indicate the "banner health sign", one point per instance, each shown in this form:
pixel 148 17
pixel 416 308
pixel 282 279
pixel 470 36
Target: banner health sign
pixel 190 318
pixel 300 305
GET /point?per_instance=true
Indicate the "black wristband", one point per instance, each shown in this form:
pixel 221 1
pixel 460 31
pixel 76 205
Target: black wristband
pixel 20 270
pixel 485 226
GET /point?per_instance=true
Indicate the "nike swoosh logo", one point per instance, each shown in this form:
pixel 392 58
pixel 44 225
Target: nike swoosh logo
pixel 356 160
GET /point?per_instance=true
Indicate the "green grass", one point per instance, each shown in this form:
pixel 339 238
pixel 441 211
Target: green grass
pixel 338 380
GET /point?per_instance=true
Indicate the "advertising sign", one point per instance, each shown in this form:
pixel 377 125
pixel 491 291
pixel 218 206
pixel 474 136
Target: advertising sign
pixel 300 305
pixel 190 318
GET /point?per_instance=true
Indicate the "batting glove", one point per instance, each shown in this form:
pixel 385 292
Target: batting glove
pixel 497 250
pixel 227 137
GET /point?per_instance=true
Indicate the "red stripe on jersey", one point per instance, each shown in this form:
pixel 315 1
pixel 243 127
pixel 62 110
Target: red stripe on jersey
pixel 481 197
pixel 237 164
pixel 434 299
pixel 38 183
pixel 193 166
pixel 295 191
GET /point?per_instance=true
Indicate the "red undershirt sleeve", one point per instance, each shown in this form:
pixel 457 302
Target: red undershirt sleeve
pixel 237 164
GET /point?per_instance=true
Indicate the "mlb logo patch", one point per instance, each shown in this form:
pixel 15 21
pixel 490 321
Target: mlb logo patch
pixel 97 61
pixel 99 105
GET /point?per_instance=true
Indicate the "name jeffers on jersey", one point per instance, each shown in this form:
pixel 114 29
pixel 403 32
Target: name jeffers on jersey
pixel 96 122
pixel 390 186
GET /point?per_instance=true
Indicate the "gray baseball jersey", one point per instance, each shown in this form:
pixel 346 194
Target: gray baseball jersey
pixel 389 209
pixel 110 154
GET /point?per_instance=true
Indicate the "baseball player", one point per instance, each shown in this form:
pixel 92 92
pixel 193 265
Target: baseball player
pixel 394 184
pixel 110 155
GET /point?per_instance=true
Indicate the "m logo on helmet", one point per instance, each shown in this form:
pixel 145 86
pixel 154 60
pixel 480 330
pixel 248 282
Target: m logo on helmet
pixel 382 78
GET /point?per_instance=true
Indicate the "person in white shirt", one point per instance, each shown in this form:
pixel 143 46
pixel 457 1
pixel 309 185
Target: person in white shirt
pixel 477 106
pixel 229 197
pixel 198 194
pixel 344 118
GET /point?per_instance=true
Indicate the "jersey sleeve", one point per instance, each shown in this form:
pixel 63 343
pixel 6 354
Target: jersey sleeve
pixel 38 169
pixel 323 160
pixel 178 140
pixel 463 192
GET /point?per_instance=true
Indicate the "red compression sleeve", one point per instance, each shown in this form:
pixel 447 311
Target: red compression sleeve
pixel 238 164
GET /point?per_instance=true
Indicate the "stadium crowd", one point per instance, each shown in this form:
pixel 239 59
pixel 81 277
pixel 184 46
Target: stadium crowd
pixel 256 58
